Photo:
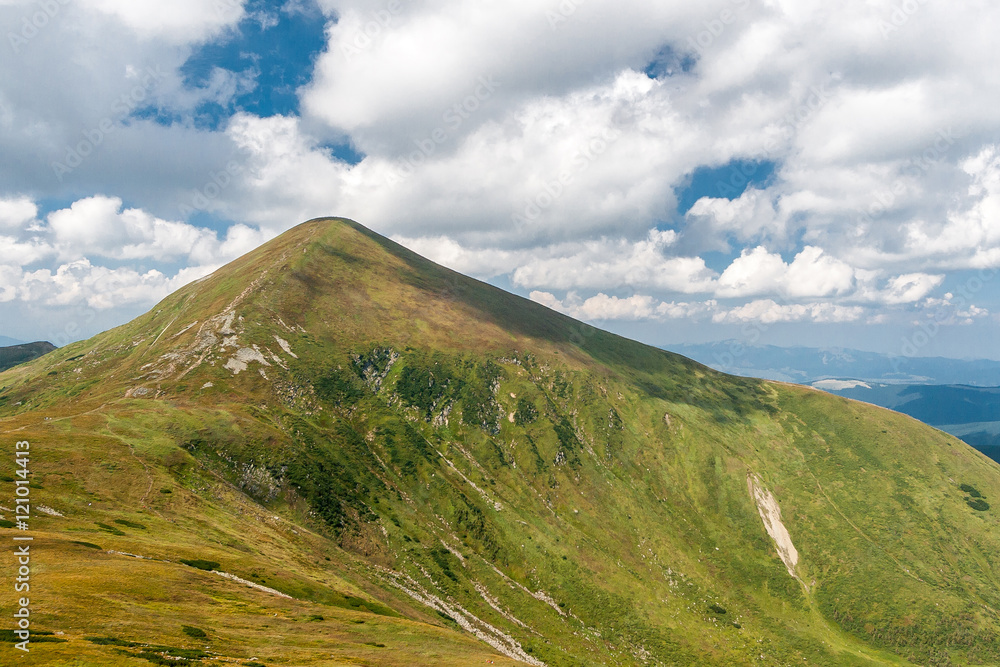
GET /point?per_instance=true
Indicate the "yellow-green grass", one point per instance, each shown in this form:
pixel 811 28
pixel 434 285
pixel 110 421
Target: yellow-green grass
pixel 582 494
pixel 80 591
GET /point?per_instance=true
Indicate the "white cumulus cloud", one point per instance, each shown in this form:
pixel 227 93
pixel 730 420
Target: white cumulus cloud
pixel 17 212
pixel 177 20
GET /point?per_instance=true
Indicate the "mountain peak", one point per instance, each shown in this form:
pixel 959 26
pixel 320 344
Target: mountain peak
pixel 330 283
pixel 384 454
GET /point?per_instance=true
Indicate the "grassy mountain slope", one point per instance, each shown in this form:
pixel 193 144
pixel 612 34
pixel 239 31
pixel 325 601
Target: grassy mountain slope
pixel 969 413
pixel 18 354
pixel 933 404
pixel 420 461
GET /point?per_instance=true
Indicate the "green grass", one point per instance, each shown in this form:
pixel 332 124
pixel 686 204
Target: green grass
pixel 582 494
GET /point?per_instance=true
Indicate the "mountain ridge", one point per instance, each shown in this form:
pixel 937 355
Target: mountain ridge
pixel 968 412
pixel 13 355
pixel 333 418
pixel 806 365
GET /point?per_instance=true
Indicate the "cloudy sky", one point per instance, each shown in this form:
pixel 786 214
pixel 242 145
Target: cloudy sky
pixel 774 171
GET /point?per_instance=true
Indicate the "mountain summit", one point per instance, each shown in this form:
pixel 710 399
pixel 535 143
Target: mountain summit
pixel 333 451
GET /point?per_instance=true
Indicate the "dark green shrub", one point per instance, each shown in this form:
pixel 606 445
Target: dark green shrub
pixel 373 367
pixel 716 609
pixel 339 387
pixel 568 441
pixel 176 461
pixel 186 653
pixel 110 529
pixel 192 631
pixel 971 490
pixel 425 388
pixel 978 504
pixel 443 557
pixel 526 412
pixel 111 641
pixel 171 658
pixel 201 564
pixel 89 545
pixel 479 406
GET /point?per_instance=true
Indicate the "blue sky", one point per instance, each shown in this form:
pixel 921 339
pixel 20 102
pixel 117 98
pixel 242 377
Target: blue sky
pixel 683 172
pixel 277 49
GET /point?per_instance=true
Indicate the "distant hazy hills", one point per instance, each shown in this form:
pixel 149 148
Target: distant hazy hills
pixel 970 413
pixel 13 355
pixel 806 365
pixel 960 397
pixel 7 342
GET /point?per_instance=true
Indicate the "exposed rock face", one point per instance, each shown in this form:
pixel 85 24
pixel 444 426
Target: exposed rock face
pixel 770 512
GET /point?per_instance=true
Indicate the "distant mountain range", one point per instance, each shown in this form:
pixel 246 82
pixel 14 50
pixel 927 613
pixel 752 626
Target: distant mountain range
pixel 13 355
pixel 805 365
pixel 960 397
pixel 969 413
pixel 7 342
